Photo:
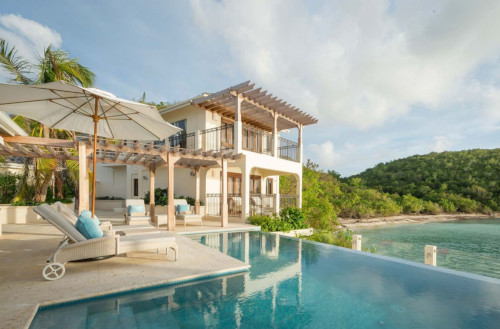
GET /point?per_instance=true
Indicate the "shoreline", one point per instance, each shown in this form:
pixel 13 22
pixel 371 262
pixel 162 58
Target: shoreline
pixel 351 223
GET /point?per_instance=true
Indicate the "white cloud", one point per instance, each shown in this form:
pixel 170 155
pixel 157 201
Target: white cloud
pixel 324 154
pixel 440 144
pixel 29 37
pixel 356 62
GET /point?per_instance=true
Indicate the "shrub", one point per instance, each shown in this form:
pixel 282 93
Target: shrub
pixel 341 238
pixel 161 197
pixel 294 216
pixel 270 223
pixel 8 184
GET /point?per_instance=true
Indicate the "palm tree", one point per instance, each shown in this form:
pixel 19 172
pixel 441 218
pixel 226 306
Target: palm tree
pixel 53 65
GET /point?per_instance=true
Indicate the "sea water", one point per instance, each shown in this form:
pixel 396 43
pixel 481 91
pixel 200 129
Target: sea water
pixel 470 245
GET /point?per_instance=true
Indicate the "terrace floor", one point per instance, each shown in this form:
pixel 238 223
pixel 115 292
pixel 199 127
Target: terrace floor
pixel 23 255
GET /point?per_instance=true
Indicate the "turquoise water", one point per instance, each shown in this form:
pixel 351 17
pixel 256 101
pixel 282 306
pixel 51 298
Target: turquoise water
pixel 297 284
pixel 471 245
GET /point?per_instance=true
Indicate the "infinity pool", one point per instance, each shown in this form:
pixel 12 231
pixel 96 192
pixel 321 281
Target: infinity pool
pixel 297 284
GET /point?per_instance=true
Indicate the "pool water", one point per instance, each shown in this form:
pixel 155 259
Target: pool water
pixel 471 245
pixel 297 284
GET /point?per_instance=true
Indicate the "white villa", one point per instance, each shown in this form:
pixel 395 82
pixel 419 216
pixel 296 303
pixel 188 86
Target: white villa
pixel 241 121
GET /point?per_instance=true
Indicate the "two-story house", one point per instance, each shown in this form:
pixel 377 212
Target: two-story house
pixel 242 120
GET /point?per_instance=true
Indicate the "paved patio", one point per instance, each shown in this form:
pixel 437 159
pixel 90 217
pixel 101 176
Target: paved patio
pixel 23 256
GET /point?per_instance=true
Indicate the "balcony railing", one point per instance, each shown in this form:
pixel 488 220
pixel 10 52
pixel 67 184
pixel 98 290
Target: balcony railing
pixel 288 200
pixel 288 150
pixel 218 138
pixel 262 204
pixel 183 140
pixel 213 204
pixel 257 140
pixel 234 204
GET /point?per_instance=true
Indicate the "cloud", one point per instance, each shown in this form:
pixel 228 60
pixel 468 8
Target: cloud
pixel 29 37
pixel 441 144
pixel 324 154
pixel 356 62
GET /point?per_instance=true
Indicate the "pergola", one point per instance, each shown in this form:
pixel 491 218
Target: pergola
pixel 149 155
pixel 256 107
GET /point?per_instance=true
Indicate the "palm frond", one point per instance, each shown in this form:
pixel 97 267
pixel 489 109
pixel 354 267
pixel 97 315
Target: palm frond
pixel 14 64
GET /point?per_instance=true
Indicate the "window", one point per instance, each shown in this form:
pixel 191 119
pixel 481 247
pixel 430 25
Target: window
pixel 179 138
pixel 269 186
pixel 255 184
pixel 136 186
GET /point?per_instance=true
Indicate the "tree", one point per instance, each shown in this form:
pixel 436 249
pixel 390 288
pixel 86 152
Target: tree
pixel 53 65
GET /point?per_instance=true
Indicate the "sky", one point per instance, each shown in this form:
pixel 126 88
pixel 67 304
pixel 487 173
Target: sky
pixel 386 79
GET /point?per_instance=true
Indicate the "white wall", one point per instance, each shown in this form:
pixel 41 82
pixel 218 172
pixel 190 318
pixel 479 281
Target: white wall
pixel 197 119
pixel 111 181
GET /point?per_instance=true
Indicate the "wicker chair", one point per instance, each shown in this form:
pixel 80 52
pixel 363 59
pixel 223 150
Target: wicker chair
pixel 76 247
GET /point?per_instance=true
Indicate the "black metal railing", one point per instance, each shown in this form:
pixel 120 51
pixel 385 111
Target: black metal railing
pixel 257 140
pixel 288 200
pixel 183 140
pixel 262 204
pixel 234 204
pixel 218 138
pixel 288 150
pixel 213 204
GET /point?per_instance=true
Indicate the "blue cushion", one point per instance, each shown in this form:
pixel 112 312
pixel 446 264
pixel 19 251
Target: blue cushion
pixel 88 214
pixel 132 209
pixel 88 227
pixel 183 207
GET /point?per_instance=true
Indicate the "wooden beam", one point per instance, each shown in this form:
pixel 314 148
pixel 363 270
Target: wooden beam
pixel 83 179
pixel 21 148
pixel 152 171
pixel 39 141
pixel 127 157
pixel 171 210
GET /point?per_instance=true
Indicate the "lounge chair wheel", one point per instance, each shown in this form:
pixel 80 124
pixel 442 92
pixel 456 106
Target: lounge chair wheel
pixel 53 271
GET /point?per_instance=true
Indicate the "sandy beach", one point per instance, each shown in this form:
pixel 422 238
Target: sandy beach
pixel 407 219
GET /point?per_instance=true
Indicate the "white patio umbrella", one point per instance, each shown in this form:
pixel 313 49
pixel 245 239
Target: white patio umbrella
pixel 63 105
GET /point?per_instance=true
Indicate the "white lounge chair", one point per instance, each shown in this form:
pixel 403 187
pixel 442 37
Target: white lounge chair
pixel 136 218
pixel 186 217
pixel 76 247
pixel 106 225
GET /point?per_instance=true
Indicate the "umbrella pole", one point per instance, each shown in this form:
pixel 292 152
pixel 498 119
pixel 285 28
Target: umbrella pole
pixel 94 158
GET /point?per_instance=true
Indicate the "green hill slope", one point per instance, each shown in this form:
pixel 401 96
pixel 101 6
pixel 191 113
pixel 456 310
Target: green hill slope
pixel 465 181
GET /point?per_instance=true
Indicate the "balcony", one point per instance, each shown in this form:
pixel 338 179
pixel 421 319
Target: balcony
pixel 260 204
pixel 222 138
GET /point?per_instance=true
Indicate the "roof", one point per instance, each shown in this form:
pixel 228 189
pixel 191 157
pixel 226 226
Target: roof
pixel 257 107
pixel 9 127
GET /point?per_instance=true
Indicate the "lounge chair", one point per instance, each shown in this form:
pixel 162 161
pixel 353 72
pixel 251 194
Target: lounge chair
pixel 136 217
pixel 106 225
pixel 188 216
pixel 76 247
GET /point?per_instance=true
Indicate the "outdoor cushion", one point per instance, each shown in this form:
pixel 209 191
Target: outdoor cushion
pixel 88 214
pixel 183 207
pixel 134 209
pixel 88 227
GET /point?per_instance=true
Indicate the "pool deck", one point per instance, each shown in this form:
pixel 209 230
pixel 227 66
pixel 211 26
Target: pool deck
pixel 23 256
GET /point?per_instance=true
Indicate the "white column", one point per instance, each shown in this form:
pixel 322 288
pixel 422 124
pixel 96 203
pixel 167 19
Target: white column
pixel 430 255
pixel 356 242
pixel 276 189
pixel 245 189
pixel 197 191
pixel 299 190
pixel 170 206
pixel 224 210
pixel 152 171
pixel 275 135
pixel 197 140
pixel 238 126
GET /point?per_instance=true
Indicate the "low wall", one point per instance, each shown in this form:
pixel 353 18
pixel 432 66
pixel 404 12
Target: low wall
pixel 21 214
pixel 109 204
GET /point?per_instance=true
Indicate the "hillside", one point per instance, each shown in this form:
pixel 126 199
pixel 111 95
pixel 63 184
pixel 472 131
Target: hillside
pixel 444 178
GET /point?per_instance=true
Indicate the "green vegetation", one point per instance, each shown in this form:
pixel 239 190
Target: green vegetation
pixel 465 181
pixel 8 183
pixel 161 198
pixel 289 219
